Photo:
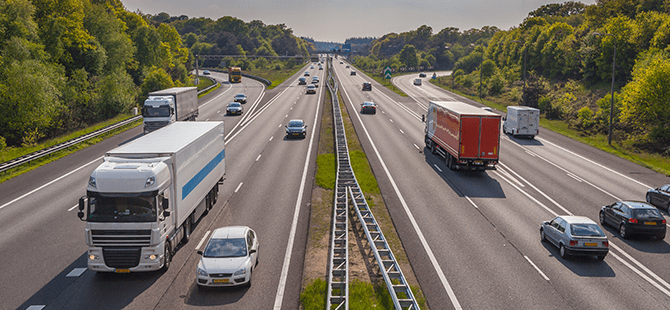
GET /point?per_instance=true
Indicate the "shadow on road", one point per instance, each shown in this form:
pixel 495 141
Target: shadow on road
pixel 583 266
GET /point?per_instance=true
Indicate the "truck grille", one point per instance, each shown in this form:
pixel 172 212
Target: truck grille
pixel 103 238
pixel 151 126
pixel 121 257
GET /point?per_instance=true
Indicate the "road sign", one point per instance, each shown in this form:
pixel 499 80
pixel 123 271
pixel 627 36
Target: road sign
pixel 387 73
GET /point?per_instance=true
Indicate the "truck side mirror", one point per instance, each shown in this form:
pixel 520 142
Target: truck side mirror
pixel 82 202
pixel 166 203
pixel 504 118
pixel 171 110
pixel 166 213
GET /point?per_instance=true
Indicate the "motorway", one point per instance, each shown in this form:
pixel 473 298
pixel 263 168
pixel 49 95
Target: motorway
pixel 267 187
pixel 473 237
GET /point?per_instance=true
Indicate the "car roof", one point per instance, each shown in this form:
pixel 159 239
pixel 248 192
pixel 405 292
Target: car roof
pixel 311 86
pixel 230 232
pixel 638 205
pixel 240 95
pixel 574 219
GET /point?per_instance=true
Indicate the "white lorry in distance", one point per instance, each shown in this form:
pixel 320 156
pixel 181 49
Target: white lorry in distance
pixel 522 121
pixel 164 107
pixel 146 195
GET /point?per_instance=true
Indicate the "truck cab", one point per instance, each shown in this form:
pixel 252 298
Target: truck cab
pixel 158 111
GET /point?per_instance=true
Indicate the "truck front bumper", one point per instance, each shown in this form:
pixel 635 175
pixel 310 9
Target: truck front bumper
pixel 125 259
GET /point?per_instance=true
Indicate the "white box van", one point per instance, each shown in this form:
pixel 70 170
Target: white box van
pixel 522 121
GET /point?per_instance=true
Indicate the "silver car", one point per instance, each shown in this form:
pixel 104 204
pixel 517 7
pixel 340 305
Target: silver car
pixel 575 235
pixel 229 257
pixel 234 108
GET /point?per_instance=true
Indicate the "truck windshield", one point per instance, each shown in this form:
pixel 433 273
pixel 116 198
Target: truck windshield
pixel 122 208
pixel 160 111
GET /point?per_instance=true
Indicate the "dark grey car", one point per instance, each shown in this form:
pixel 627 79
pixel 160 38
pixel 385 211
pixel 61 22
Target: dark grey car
pixel 575 235
pixel 634 218
pixel 660 197
pixel 296 128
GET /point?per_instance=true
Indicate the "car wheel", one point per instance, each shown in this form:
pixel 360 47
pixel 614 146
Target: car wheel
pixel 622 231
pixel 167 257
pixel 601 257
pixel 543 238
pixel 667 206
pixel 601 217
pixel 562 251
pixel 660 236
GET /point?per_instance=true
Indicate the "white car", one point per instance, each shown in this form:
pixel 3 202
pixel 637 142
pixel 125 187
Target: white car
pixel 417 82
pixel 229 257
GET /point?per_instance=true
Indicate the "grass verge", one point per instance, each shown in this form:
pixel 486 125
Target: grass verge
pixel 276 76
pixel 18 152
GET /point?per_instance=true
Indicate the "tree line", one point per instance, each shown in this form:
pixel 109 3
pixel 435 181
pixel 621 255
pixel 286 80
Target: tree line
pixel 66 64
pixel 569 50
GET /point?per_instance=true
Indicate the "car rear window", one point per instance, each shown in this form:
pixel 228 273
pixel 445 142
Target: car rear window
pixel 586 230
pixel 646 213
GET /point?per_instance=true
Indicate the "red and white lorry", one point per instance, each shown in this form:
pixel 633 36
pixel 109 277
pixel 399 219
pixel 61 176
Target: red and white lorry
pixel 467 137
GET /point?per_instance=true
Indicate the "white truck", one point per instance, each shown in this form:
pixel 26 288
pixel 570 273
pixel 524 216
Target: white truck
pixel 522 121
pixel 143 200
pixel 170 105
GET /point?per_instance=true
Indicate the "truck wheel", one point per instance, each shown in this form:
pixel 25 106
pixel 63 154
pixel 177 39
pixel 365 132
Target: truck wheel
pixel 167 257
pixel 432 147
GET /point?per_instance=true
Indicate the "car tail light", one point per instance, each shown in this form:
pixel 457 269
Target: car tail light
pixel 573 242
pixel 606 244
pixel 633 221
pixel 663 221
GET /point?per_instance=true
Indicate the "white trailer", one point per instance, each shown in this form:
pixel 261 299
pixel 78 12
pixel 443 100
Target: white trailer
pixel 164 107
pixel 522 121
pixel 143 200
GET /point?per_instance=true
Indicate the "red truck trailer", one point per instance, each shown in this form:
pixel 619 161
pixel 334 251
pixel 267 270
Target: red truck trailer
pixel 466 136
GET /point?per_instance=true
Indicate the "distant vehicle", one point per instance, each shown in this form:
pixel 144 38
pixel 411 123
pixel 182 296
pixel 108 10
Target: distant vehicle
pixel 352 72
pixel 306 73
pixel 302 81
pixel 241 98
pixel 341 62
pixel 417 82
pixel 633 217
pixel 234 108
pixel 229 257
pixel 575 235
pixel 296 128
pixel 487 109
pixel 522 121
pixel 311 67
pixel 164 107
pixel 422 75
pixel 206 72
pixel 466 136
pixel 367 86
pixel 234 74
pixel 368 107
pixel 660 197
pixel 347 67
pixel 320 67
pixel 311 89
pixel 315 81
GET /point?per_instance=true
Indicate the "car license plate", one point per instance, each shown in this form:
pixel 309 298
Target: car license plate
pixel 649 223
pixel 479 162
pixel 590 244
pixel 296 134
pixel 122 270
pixel 220 281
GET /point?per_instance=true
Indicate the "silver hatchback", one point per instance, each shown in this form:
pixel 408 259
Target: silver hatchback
pixel 575 235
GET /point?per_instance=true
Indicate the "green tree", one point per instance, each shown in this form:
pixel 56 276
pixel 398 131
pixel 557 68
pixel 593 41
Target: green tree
pixel 156 79
pixel 408 56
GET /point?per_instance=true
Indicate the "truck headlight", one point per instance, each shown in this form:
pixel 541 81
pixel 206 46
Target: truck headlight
pixel 240 272
pixel 93 257
pixel 91 182
pixel 151 257
pixel 150 181
pixel 202 272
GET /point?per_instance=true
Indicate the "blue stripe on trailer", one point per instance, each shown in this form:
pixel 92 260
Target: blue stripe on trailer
pixel 198 177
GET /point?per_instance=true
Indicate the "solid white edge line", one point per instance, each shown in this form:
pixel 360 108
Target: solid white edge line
pixel 538 190
pixel 202 240
pixel 259 157
pixel 437 167
pixel 659 279
pixel 536 268
pixel 550 211
pixel 238 187
pixel 416 146
pixel 424 243
pixel 296 213
pixel 642 275
pixel 471 202
pixel 49 183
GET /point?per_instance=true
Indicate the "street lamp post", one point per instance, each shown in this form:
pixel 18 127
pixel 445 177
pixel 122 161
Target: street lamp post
pixel 609 134
pixel 523 97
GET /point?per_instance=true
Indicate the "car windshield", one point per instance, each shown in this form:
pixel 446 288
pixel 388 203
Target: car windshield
pixel 239 96
pixel 234 104
pixel 160 111
pixel 219 248
pixel 586 230
pixel 646 213
pixel 295 124
pixel 117 208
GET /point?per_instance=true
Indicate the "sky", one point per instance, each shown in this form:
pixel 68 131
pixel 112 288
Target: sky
pixel 336 21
